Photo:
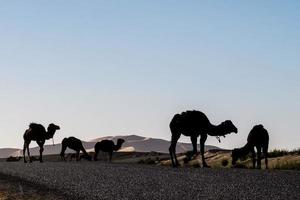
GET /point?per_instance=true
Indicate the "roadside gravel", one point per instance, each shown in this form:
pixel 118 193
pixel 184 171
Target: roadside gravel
pixel 98 180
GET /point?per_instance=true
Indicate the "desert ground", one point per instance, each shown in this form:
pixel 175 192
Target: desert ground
pixel 119 180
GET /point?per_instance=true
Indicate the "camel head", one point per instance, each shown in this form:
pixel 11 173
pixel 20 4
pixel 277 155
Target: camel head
pixel 52 127
pixel 120 142
pixel 228 127
pixel 51 130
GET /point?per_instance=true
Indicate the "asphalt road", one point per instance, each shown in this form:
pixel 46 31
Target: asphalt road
pixel 97 180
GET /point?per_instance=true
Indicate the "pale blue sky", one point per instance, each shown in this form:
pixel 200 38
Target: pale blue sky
pixel 101 68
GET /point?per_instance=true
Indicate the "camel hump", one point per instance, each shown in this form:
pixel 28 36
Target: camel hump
pixel 194 117
pixel 194 114
pixel 260 126
pixel 190 115
pixel 37 127
pixel 190 120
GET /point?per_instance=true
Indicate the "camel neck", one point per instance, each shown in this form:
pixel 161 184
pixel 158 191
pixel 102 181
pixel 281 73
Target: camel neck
pixel 50 134
pixel 246 148
pixel 117 146
pixel 216 130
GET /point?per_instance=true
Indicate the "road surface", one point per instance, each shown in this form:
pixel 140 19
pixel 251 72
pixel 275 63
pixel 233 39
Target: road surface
pixel 98 180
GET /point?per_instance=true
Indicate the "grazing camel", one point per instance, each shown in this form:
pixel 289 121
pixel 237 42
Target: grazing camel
pixel 76 145
pixel 107 146
pixel 38 133
pixel 259 138
pixel 194 124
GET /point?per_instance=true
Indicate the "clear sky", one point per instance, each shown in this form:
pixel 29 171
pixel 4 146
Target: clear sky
pixel 100 68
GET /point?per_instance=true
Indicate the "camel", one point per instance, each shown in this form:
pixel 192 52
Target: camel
pixel 107 146
pixel 76 145
pixel 259 138
pixel 38 133
pixel 194 124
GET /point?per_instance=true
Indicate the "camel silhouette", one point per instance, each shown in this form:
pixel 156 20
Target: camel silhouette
pixel 107 146
pixel 259 138
pixel 194 124
pixel 76 145
pixel 38 133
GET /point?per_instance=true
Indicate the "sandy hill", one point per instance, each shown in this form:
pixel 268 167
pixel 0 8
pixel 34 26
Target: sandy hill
pixel 133 143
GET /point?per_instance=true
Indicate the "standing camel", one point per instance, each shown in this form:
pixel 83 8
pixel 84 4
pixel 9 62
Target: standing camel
pixel 76 145
pixel 194 124
pixel 259 138
pixel 38 133
pixel 107 146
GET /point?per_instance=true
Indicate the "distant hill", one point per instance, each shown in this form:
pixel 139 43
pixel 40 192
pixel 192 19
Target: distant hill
pixel 132 143
pixel 6 152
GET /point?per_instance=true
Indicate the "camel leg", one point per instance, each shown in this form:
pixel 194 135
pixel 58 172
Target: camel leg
pixel 41 153
pixel 172 149
pixel 202 142
pixel 110 156
pixel 41 145
pixel 62 153
pixel 28 152
pixel 194 142
pixel 96 154
pixel 253 157
pixel 258 157
pixel 77 155
pixel 265 151
pixel 194 152
pixel 24 151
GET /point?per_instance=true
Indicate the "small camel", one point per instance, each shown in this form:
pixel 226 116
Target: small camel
pixel 76 145
pixel 259 138
pixel 194 124
pixel 107 146
pixel 38 133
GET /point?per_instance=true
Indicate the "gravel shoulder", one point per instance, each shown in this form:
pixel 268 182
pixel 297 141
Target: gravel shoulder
pixel 98 180
pixel 13 188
